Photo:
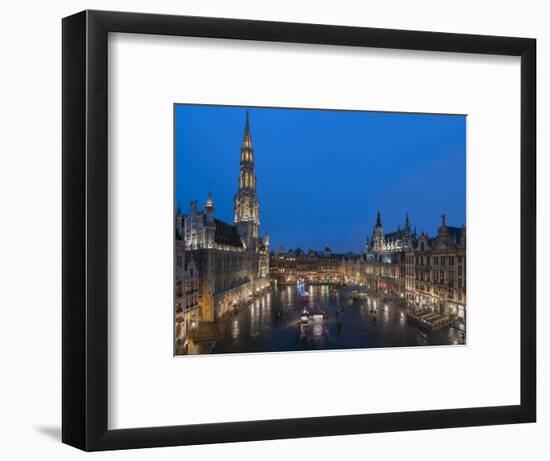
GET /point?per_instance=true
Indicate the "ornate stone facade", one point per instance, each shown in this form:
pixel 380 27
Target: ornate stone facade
pixel 316 267
pixel 187 296
pixel 354 268
pixel 232 261
pixel 440 271
pixel 429 272
pixel 385 265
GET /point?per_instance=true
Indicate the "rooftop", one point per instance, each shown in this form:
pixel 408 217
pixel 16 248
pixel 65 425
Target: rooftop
pixel 227 234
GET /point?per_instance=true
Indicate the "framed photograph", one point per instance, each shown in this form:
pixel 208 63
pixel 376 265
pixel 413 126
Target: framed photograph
pixel 280 230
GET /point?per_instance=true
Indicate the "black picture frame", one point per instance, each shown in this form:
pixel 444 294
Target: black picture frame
pixel 85 219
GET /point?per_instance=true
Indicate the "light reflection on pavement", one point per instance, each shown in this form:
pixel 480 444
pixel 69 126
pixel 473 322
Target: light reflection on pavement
pixel 272 323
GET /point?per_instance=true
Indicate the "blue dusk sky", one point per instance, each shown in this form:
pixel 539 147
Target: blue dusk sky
pixel 322 175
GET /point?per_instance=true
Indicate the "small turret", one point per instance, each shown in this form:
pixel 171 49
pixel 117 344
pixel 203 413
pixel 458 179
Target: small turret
pixel 193 208
pixel 209 208
pixel 209 226
pixel 443 228
pixel 378 236
pixel 179 222
pixel 209 202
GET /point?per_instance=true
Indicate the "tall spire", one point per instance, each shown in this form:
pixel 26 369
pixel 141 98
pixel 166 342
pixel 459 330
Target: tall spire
pixel 209 201
pixel 247 179
pixel 378 232
pixel 246 207
pixel 247 124
pixel 247 142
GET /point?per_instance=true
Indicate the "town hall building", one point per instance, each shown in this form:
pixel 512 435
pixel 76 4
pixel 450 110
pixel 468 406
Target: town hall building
pixel 231 259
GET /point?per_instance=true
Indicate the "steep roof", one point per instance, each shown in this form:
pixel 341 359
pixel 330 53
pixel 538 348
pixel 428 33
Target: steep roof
pixel 397 235
pixel 227 234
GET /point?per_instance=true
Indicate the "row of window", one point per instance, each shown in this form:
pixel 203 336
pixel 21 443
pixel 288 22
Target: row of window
pixel 231 264
pixel 190 302
pixel 246 155
pixel 191 286
pixel 437 276
pixel 437 260
pixel 179 263
pixel 248 180
pixel 441 293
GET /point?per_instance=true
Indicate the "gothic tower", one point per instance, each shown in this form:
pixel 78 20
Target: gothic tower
pixel 407 234
pixel 378 234
pixel 247 207
pixel 209 225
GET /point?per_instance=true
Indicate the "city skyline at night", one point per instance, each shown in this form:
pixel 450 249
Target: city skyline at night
pixel 316 229
pixel 323 175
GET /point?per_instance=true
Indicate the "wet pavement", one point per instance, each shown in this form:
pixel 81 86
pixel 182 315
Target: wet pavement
pixel 272 324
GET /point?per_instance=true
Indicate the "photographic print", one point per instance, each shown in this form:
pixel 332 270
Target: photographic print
pixel 310 229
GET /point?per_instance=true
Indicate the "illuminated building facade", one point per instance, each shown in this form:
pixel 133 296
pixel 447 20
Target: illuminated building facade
pixel 316 267
pixel 187 296
pixel 385 257
pixel 232 261
pixel 246 207
pixel 429 272
pixel 440 271
pixel 354 268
